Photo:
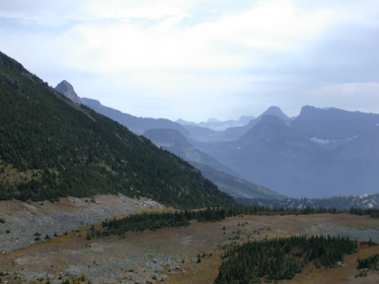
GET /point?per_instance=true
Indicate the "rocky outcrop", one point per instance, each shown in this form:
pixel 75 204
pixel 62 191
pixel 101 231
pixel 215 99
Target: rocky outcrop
pixel 66 89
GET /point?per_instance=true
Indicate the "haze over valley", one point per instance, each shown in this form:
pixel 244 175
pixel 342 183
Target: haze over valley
pixel 319 153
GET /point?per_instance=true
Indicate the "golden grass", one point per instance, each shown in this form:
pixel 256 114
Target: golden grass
pixel 10 176
pixel 202 273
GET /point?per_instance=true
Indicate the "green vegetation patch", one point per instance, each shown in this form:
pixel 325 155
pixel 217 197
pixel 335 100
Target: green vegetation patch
pixel 373 213
pixel 10 175
pixel 281 259
pixel 370 263
pixel 155 221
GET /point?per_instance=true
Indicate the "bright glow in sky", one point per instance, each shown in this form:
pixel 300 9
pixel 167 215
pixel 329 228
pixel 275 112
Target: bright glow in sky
pixel 195 59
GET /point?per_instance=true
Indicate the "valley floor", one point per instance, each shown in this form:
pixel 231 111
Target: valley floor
pixel 181 255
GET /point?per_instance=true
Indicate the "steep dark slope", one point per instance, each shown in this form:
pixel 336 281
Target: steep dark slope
pixel 50 147
pixel 223 177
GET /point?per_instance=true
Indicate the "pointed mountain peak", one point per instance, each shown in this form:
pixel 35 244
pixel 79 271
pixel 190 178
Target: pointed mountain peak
pixel 65 86
pixel 277 112
pixel 66 89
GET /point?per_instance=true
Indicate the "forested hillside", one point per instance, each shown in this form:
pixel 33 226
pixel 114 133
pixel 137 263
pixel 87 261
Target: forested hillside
pixel 51 148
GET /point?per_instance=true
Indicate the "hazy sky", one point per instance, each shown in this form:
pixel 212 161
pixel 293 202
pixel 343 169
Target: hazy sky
pixel 196 59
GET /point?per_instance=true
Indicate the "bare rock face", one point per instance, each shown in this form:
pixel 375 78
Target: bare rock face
pixel 66 89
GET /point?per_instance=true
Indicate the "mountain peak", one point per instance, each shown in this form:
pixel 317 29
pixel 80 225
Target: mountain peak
pixel 66 89
pixel 65 85
pixel 277 112
pixel 308 109
pixel 312 112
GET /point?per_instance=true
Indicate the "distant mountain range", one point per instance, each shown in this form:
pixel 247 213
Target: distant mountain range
pixel 365 201
pixel 138 125
pixel 66 148
pixel 175 142
pixel 223 177
pixel 319 153
pixel 53 147
pixel 219 125
pixel 234 133
pixel 176 139
pixel 200 133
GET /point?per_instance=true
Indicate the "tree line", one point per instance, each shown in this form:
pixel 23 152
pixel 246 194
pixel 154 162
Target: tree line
pixel 369 263
pixel 373 213
pixel 281 259
pixel 157 220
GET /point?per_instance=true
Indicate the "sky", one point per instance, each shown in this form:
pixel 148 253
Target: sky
pixel 196 59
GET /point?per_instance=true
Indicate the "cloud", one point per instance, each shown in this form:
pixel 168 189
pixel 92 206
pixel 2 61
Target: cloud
pixel 237 57
pixel 230 41
pixel 363 96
